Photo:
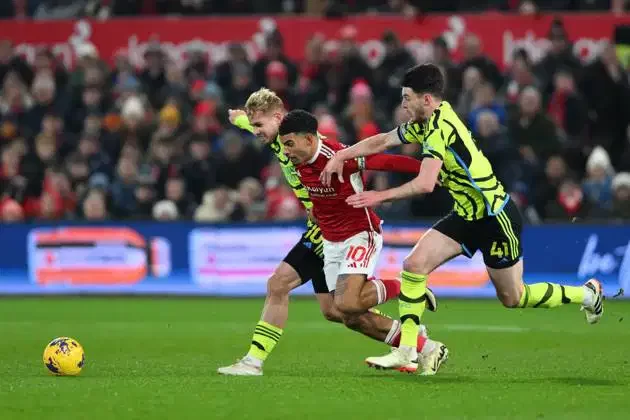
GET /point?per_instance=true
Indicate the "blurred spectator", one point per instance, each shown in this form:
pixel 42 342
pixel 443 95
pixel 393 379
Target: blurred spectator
pixel 389 74
pixel 197 66
pixel 282 204
pixel 176 85
pixel 571 203
pixel 241 161
pixel 277 79
pixel 217 206
pixel 274 52
pixel 145 197
pixel 362 119
pixel 327 127
pixel 123 188
pixel 200 169
pixel 312 83
pixel 471 79
pixel 46 63
pixel 153 77
pixel 165 211
pixel 546 188
pixel 442 58
pixel 133 130
pixel 484 99
pixel 474 57
pixel 15 100
pixel 607 94
pixel 58 200
pixel 621 196
pixel 560 56
pixel 532 131
pixel 234 76
pixel 176 192
pixel 79 173
pixel 348 67
pixel 566 107
pixel 95 206
pixel 161 162
pixel 12 211
pixel 519 76
pixel 43 94
pixel 496 145
pixel 250 199
pixel 11 62
pixel 599 174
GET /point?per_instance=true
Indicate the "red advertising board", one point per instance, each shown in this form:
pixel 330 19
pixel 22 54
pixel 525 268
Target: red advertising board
pixel 501 34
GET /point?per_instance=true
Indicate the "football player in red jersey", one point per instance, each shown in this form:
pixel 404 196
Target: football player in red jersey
pixel 352 236
pixel 263 113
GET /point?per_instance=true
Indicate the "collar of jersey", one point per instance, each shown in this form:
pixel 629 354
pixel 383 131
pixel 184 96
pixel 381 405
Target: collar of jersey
pixel 319 149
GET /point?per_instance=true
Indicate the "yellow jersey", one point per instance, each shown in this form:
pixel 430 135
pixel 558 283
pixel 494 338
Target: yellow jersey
pixel 466 173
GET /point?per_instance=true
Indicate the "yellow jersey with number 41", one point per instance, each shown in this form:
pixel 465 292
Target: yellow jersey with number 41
pixel 466 173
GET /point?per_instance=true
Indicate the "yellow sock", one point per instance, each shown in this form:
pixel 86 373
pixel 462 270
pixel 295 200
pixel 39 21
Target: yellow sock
pixel 264 340
pixel 550 295
pixel 411 306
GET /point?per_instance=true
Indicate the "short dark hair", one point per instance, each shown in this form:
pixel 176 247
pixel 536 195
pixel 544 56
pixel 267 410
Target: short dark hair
pixel 298 121
pixel 425 78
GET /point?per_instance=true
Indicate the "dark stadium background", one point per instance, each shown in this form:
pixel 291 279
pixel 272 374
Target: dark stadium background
pixel 117 157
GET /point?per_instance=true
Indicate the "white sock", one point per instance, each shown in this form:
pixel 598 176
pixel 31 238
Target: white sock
pixel 428 347
pixel 589 297
pixel 381 291
pixel 393 332
pixel 254 361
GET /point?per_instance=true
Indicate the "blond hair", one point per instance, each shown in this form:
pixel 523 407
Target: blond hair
pixel 263 100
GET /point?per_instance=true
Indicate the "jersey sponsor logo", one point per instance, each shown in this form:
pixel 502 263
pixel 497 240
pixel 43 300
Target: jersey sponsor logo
pixel 321 191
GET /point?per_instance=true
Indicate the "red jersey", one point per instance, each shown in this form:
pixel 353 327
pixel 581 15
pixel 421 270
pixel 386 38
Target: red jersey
pixel 337 220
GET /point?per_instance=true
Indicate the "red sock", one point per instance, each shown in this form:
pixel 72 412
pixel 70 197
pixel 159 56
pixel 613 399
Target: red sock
pixel 421 340
pixel 386 289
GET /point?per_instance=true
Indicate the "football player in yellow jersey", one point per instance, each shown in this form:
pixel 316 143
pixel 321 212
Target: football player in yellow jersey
pixel 483 218
pixel 262 116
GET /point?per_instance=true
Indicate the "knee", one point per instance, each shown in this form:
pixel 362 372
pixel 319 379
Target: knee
pixel 509 298
pixel 278 286
pixel 416 264
pixel 332 314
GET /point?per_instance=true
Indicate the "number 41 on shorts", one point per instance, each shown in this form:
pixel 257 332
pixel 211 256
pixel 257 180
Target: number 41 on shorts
pixel 499 249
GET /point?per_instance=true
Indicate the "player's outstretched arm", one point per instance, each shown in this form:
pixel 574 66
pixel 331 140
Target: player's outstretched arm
pixel 424 183
pixel 238 117
pixel 388 163
pixel 370 146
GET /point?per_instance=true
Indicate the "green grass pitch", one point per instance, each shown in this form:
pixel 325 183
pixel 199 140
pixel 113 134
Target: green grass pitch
pixel 157 359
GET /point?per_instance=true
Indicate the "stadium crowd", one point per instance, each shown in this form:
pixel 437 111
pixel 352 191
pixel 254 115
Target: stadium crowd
pixel 97 142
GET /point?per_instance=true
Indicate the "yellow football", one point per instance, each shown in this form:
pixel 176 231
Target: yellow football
pixel 64 356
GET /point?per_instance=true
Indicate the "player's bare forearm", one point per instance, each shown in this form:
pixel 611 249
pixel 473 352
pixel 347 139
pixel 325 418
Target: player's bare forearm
pixel 424 183
pixel 370 146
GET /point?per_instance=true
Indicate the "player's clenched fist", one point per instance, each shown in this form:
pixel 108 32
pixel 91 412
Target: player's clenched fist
pixel 233 114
